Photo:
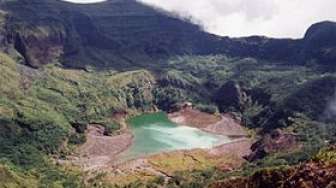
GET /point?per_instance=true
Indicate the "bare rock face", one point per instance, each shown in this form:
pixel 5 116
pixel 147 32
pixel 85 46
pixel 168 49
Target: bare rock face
pixel 45 46
pixel 276 141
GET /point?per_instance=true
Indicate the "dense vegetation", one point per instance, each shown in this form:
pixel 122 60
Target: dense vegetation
pixel 45 112
pixel 297 99
pixel 133 59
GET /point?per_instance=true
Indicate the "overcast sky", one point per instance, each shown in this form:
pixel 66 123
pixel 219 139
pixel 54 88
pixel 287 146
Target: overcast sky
pixel 85 1
pixel 274 18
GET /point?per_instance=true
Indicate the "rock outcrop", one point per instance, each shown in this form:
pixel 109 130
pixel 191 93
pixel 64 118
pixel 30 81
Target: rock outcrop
pixel 276 141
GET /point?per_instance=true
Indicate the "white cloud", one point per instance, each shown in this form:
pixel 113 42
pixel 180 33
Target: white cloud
pixel 275 18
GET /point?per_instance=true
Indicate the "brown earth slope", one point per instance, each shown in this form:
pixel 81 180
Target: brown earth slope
pixel 224 124
pixel 100 151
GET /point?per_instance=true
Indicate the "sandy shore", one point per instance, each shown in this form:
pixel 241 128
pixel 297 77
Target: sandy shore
pixel 99 150
pixel 224 124
pixel 194 118
pixel 227 156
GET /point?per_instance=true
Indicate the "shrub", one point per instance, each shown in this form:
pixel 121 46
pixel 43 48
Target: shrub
pixel 80 127
pixel 77 139
pixel 110 128
pixel 212 109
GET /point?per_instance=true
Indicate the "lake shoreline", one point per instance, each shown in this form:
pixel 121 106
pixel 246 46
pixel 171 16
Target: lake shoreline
pixel 238 145
pixel 95 154
pixel 99 151
pixel 156 132
pixel 224 124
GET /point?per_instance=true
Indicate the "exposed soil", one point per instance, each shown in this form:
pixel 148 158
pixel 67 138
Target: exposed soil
pixel 224 124
pixel 195 118
pixel 227 126
pixel 240 148
pixel 276 141
pixel 225 157
pixel 99 150
pixel 140 165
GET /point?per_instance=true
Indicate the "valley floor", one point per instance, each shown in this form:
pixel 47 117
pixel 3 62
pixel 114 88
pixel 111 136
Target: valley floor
pixel 100 153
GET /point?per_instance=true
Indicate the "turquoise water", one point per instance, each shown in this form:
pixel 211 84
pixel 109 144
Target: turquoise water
pixel 154 133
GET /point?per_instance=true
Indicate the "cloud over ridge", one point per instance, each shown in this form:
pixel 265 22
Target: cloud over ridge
pixel 274 18
pixel 236 18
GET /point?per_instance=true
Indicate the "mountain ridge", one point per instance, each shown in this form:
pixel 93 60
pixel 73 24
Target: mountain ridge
pixel 124 34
